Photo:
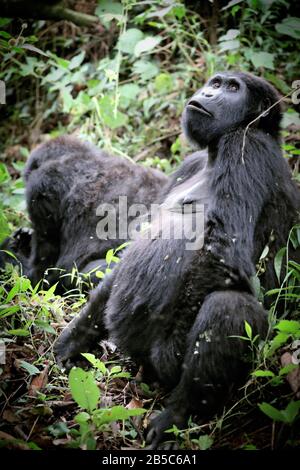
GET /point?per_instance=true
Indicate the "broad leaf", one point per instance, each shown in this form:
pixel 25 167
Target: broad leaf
pixel 146 45
pixel 84 388
pixel 129 39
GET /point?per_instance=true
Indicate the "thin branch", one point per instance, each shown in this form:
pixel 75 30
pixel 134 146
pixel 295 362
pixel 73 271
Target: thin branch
pixel 53 10
pixel 262 115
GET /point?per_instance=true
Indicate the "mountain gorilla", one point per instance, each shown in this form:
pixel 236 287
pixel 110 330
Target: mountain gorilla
pixel 66 181
pixel 179 311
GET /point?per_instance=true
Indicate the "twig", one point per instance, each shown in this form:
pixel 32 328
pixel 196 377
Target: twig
pixel 262 115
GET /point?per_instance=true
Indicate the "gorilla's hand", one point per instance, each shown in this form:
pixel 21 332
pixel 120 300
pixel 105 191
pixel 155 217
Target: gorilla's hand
pixel 165 420
pixel 85 329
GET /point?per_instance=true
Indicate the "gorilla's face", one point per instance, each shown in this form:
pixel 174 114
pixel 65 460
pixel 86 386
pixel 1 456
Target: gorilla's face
pixel 219 106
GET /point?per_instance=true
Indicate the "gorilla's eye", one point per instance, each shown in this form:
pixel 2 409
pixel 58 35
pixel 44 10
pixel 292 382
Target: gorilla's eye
pixel 216 84
pixel 233 86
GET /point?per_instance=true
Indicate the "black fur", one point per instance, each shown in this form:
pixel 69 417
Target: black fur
pixel 66 180
pixel 16 249
pixel 176 311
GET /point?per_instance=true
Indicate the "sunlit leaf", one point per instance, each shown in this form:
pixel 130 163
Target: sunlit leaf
pixel 84 388
pixel 146 45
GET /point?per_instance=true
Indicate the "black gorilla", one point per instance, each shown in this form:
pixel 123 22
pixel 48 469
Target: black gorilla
pixel 179 311
pixel 66 180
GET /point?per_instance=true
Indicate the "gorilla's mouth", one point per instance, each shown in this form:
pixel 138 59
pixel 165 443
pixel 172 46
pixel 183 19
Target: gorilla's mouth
pixel 198 107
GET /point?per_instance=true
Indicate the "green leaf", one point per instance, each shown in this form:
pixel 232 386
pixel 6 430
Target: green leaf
pixel 231 4
pixel 278 82
pixel 263 373
pixel 277 342
pixel 124 245
pixel 115 370
pixel 62 62
pixel 77 60
pixel 290 27
pixel 54 76
pixel 82 417
pixel 146 45
pixel 49 294
pixel 18 332
pixel 231 34
pixel 5 35
pixel 163 83
pixel 234 44
pixel 205 442
pixel 146 69
pixel 105 416
pixel 290 117
pixel 129 39
pixel 248 330
pixel 272 412
pixel 84 388
pixel 262 59
pixel 22 284
pixel 95 362
pixel 68 100
pixel 109 10
pixel 4 21
pixel 179 11
pixel 288 326
pixel 100 274
pixel 111 118
pixel 109 256
pixel 32 48
pixel 45 326
pixel 278 262
pixel 264 253
pixel 4 174
pixel 7 311
pixel 128 93
pixel 58 429
pixel 287 369
pixel 30 368
pixel 4 228
pixel 291 412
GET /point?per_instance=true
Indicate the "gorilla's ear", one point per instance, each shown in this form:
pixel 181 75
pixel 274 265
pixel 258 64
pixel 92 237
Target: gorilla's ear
pixel 265 106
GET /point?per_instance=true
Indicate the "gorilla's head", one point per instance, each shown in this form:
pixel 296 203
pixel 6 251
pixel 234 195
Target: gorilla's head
pixel 227 101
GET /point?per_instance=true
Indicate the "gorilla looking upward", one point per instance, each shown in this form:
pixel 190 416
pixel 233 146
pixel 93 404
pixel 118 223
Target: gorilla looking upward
pixel 66 181
pixel 177 311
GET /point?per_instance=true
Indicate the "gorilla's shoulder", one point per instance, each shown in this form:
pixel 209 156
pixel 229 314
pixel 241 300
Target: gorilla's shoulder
pixel 196 160
pixel 191 165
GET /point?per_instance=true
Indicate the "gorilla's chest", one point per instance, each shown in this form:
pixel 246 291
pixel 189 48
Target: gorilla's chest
pixel 194 190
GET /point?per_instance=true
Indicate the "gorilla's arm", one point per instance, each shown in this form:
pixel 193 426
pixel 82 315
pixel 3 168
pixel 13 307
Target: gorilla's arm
pixel 85 329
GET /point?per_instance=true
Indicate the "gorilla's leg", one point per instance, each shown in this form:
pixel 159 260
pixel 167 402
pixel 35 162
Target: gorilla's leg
pixel 81 334
pixel 215 361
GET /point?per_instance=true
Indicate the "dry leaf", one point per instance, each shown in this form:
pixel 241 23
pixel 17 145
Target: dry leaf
pixel 135 403
pixel 10 416
pixel 292 377
pixel 39 382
